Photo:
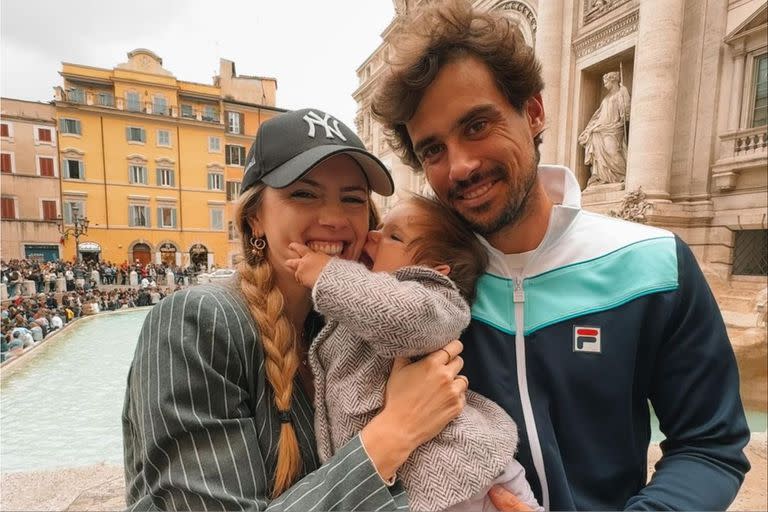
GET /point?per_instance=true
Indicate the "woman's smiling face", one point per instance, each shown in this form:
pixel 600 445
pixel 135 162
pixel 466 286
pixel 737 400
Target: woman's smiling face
pixel 326 210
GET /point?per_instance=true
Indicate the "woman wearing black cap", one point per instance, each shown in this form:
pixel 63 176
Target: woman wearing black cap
pixel 218 408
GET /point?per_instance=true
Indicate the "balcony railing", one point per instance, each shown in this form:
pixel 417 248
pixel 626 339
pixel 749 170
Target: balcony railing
pixel 208 115
pixel 739 150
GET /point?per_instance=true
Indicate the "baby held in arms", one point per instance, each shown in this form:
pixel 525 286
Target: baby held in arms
pixel 407 299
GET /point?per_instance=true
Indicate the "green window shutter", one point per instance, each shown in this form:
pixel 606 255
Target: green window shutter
pixel 147 214
pixel 173 178
pixel 128 133
pixel 159 217
pixel 62 124
pixel 130 217
pixel 143 135
pixel 159 175
pixel 173 217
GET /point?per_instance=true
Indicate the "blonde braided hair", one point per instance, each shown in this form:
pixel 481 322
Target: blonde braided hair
pixel 278 338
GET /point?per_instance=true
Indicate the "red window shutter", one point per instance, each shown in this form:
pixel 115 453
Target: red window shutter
pixel 5 162
pixel 7 211
pixel 46 166
pixel 4 132
pixel 44 134
pixel 49 210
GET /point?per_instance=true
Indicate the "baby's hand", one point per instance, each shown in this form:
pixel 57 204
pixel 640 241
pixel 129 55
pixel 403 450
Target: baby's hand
pixel 308 265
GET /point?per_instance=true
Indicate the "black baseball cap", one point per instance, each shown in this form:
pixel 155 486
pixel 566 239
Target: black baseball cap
pixel 290 144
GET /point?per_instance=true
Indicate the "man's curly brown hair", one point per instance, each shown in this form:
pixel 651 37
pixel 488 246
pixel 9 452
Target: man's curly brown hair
pixel 436 34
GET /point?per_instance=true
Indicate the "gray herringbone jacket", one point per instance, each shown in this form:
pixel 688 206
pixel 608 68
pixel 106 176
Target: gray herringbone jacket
pixel 371 318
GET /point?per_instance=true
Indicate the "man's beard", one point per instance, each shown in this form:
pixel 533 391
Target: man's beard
pixel 517 200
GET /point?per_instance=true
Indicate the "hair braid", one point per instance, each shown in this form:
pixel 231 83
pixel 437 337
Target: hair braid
pixel 278 338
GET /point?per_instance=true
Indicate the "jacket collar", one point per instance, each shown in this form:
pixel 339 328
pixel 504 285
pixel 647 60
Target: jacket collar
pixel 564 191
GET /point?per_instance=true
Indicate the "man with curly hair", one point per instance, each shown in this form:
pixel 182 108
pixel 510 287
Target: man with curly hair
pixel 581 320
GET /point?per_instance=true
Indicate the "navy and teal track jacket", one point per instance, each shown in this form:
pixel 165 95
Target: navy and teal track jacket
pixel 607 316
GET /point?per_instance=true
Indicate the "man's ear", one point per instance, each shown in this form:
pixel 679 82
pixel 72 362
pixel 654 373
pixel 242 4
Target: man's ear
pixel 534 109
pixel 443 269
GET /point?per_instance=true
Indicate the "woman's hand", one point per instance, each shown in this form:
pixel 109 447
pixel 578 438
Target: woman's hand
pixel 420 400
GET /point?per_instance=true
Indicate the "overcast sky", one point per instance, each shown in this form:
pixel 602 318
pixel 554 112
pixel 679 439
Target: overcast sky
pixel 312 47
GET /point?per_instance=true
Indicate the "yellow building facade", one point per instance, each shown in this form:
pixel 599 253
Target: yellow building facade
pixel 146 158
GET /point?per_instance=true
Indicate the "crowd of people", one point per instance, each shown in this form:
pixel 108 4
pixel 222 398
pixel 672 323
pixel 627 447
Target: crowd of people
pixel 88 274
pixel 27 319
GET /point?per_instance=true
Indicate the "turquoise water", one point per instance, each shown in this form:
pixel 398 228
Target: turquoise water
pixel 62 407
pixel 757 420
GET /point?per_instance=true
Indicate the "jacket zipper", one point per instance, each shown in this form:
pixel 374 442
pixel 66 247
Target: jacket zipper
pixel 522 384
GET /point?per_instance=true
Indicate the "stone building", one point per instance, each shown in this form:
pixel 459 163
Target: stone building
pixel 697 130
pixel 29 182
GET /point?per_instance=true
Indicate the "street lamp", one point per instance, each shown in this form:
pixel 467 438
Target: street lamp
pixel 80 228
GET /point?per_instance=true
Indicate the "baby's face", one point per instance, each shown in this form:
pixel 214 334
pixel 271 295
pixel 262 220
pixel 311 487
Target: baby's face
pixel 387 247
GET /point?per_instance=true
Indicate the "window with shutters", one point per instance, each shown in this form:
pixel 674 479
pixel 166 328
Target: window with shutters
pixel 105 99
pixel 74 169
pixel 232 231
pixel 46 166
pixel 5 130
pixel 166 217
pixel 160 105
pixel 235 155
pixel 71 209
pixel 214 144
pixel 233 190
pixel 187 111
pixel 235 122
pixel 76 95
pixel 6 162
pixel 70 127
pixel 132 101
pixel 49 209
pixel 137 174
pixel 164 138
pixel 8 207
pixel 138 215
pixel 217 219
pixel 210 114
pixel 165 177
pixel 135 134
pixel 44 135
pixel 215 181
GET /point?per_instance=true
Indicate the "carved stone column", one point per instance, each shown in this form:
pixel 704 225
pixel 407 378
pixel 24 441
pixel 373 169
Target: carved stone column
pixel 654 96
pixel 549 47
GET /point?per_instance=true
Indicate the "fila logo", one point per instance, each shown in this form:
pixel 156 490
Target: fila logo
pixel 313 119
pixel 586 339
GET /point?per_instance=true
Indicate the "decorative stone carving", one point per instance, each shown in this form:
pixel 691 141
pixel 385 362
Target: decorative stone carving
pixel 605 136
pixel 594 9
pixel 633 207
pixel 610 33
pixel 522 9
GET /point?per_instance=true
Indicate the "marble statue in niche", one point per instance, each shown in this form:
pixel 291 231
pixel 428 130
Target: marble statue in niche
pixel 605 136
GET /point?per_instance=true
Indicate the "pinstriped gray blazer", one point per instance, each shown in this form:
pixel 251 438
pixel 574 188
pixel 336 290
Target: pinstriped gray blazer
pixel 199 425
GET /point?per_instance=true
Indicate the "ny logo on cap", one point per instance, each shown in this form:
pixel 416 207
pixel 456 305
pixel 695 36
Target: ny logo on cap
pixel 313 119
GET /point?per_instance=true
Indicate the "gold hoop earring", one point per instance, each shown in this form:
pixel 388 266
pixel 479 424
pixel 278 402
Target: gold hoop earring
pixel 258 244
